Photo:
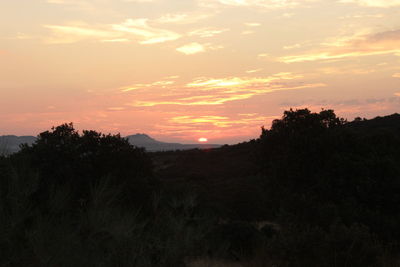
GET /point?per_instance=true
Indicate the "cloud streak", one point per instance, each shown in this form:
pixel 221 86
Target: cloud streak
pixel 196 48
pixel 376 44
pixel 214 121
pixel 210 91
pixel 129 30
pixel 207 32
pixel 75 33
pixel 147 34
pixel 191 49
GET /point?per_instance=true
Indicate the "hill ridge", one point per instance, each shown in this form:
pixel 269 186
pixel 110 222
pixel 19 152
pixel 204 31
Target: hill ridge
pixel 11 143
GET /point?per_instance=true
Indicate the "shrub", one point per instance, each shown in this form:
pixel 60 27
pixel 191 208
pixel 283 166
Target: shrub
pixel 64 158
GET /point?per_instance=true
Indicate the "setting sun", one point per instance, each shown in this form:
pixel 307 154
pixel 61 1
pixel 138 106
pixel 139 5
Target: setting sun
pixel 203 140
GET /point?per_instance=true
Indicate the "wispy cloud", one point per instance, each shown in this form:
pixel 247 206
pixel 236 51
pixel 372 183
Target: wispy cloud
pixel 375 44
pixel 196 48
pixel 351 69
pixel 211 121
pixel 263 55
pixel 191 49
pixel 253 71
pixel 240 82
pixel 396 75
pixel 118 40
pixel 207 32
pixel 146 33
pixel 294 46
pixel 136 30
pixel 211 91
pixel 76 32
pixel 218 121
pixel 168 81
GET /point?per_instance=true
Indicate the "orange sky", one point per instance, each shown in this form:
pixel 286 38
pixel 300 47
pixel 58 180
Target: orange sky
pixel 179 70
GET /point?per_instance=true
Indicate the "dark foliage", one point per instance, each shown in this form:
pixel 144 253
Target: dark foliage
pixel 234 240
pixel 65 159
pixel 226 179
pixel 315 247
pixel 320 169
pixel 90 200
pixel 323 192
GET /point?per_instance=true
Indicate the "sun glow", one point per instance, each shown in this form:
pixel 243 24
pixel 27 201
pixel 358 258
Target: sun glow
pixel 203 140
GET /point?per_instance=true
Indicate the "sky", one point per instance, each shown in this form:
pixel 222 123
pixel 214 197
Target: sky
pixel 180 70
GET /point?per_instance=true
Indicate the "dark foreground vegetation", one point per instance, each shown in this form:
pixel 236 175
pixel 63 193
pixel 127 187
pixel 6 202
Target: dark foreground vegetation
pixel 313 190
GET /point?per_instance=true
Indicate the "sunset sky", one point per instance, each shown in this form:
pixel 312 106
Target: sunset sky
pixel 179 70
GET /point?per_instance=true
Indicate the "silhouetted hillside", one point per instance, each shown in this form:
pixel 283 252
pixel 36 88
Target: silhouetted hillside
pixel 314 174
pixel 391 123
pixel 220 175
pixel 150 144
pixel 11 143
pixel 313 190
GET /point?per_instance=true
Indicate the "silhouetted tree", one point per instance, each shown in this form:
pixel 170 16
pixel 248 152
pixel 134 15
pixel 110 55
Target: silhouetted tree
pixel 320 169
pixel 64 158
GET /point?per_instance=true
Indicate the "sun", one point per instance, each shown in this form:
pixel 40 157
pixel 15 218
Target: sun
pixel 203 140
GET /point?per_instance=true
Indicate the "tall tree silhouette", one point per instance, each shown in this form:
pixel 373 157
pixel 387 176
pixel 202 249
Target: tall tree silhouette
pixel 65 158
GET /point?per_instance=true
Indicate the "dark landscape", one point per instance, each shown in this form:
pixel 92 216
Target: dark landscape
pixel 11 143
pixel 199 133
pixel 313 190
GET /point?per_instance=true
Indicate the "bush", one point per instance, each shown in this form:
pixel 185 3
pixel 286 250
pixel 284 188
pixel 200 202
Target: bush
pixel 100 233
pixel 63 158
pixel 319 169
pixel 235 240
pixel 312 246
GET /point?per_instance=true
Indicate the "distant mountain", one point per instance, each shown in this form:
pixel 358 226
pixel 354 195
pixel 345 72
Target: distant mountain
pixel 10 143
pixel 150 144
